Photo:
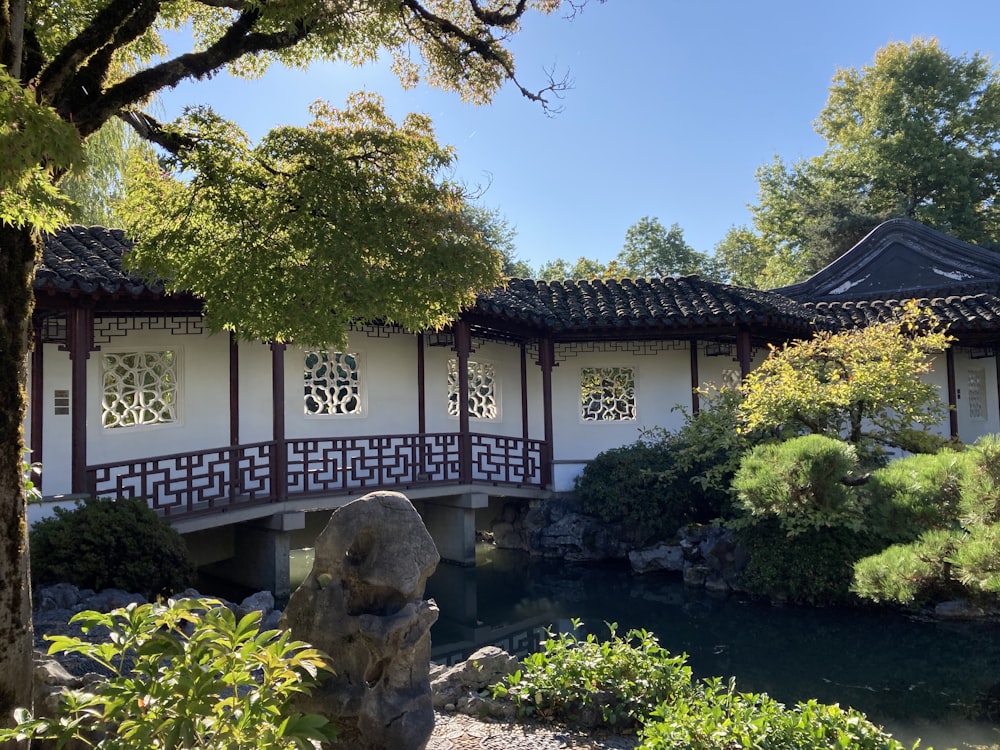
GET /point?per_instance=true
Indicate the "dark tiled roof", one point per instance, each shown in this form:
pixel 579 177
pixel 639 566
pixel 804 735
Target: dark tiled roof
pixel 88 260
pixel 968 313
pixel 668 303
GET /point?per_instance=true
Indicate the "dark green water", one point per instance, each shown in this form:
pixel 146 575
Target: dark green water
pixel 920 679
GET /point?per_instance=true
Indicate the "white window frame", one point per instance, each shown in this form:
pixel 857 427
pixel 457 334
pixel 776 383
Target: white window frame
pixel 581 400
pixel 976 394
pixel 360 393
pixel 451 388
pixel 177 368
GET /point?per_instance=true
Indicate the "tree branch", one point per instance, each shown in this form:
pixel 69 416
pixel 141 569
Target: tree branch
pixel 235 43
pixel 101 29
pixel 495 17
pixel 446 33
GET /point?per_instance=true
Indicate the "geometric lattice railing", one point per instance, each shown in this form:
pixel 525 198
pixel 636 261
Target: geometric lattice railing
pixel 217 479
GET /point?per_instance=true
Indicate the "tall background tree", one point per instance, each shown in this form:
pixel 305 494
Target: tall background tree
pixel 650 250
pixel 68 68
pixel 915 134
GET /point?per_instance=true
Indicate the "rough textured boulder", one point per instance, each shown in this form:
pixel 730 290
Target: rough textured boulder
pixel 363 604
pixel 458 688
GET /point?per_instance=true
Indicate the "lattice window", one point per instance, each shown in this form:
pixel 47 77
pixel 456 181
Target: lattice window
pixel 482 390
pixel 607 394
pixel 976 395
pixel 140 388
pixel 333 383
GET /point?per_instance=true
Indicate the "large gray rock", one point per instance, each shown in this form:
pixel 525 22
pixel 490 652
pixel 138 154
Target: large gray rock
pixel 658 557
pixel 363 604
pixel 458 687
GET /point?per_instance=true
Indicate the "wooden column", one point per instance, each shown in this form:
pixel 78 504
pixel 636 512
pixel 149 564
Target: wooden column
pixel 234 390
pixel 421 382
pixel 421 406
pixel 546 360
pixel 744 350
pixel 463 346
pixel 36 399
pixel 949 358
pixel 695 380
pixel 79 343
pixel 279 464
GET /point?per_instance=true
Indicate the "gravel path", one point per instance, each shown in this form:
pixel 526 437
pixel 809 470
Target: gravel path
pixel 454 731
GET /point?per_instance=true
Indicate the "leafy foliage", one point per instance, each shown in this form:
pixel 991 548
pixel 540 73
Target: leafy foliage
pixel 913 494
pixel 800 482
pixel 105 543
pixel 652 250
pixel 717 716
pixel 617 681
pixel 864 385
pixel 36 145
pixel 910 574
pixel 666 480
pixel 185 674
pixel 347 216
pixel 624 485
pixel 632 680
pixel 815 566
pixel 959 552
pixel 912 134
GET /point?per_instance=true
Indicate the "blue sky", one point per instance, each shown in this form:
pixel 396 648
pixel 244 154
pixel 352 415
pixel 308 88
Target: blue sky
pixel 673 107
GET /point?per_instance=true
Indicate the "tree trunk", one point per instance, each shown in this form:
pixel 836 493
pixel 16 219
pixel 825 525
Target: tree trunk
pixel 19 250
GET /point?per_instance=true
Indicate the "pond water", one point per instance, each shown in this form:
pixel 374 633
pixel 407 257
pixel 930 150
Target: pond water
pixel 922 679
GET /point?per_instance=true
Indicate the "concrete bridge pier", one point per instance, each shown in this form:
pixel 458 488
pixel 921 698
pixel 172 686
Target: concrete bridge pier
pixel 256 553
pixel 451 521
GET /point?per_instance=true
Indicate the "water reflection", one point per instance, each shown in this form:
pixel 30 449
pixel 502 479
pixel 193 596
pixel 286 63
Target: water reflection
pixel 919 678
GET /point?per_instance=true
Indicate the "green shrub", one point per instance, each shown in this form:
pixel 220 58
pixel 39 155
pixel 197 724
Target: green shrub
pixel 959 554
pixel 801 483
pixel 979 504
pixel 719 717
pixel 667 480
pixel 104 543
pixel 909 574
pixel 815 566
pixel 616 682
pixel 912 495
pixel 625 485
pixel 198 678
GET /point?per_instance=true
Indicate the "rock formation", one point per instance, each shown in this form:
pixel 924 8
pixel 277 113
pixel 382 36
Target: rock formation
pixel 363 604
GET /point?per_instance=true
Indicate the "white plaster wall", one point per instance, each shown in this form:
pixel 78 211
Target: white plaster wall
pixel 203 399
pixel 663 381
pixel 254 392
pixel 388 368
pixel 56 432
pixel 970 429
pixel 506 360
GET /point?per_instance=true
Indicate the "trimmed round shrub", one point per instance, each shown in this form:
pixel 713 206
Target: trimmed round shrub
pixel 911 574
pixel 913 494
pixel 801 483
pixel 626 485
pixel 814 567
pixel 105 543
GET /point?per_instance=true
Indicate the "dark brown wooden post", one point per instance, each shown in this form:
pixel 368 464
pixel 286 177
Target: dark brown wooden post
pixel 949 358
pixel 235 479
pixel 546 360
pixel 36 399
pixel 525 433
pixel 80 343
pixel 421 407
pixel 463 346
pixel 695 380
pixel 744 350
pixel 279 464
pixel 234 390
